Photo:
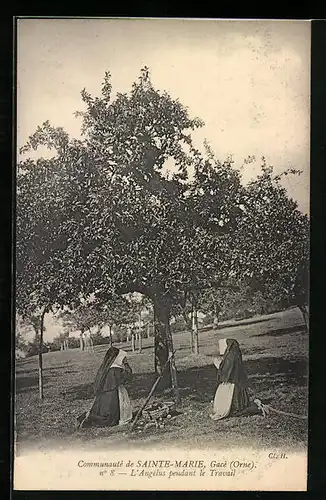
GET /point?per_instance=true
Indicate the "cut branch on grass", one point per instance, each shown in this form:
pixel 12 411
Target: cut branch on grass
pixel 153 388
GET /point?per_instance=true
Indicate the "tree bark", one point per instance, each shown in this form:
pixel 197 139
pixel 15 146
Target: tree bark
pixel 163 345
pixel 147 330
pixel 189 327
pixel 40 356
pixel 133 346
pixel 91 344
pixel 110 335
pixel 139 336
pixel 82 341
pixel 192 345
pixel 216 316
pixel 173 369
pixel 194 333
pixel 161 352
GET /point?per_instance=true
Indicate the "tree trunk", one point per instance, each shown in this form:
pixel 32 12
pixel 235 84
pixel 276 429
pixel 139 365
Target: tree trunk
pixel 192 346
pixel 133 346
pixel 216 316
pixel 189 327
pixel 304 311
pixel 82 341
pixel 40 357
pixel 161 351
pixel 147 331
pixel 194 333
pixel 139 336
pixel 110 334
pixel 173 369
pixel 163 345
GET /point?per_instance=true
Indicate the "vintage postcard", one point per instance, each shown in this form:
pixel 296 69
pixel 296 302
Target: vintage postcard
pixel 162 254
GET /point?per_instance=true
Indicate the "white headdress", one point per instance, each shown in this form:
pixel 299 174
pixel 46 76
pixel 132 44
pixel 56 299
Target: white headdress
pixel 222 344
pixel 118 362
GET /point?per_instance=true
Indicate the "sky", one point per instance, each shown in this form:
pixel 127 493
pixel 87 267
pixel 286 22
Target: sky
pixel 248 80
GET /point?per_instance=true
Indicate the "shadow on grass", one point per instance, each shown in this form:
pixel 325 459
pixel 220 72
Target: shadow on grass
pixel 242 322
pixel 27 380
pixel 283 331
pixel 27 384
pixel 264 373
pixel 236 322
pixel 138 388
pixel 143 349
pixel 60 369
pixel 128 348
pixel 199 383
pixel 274 371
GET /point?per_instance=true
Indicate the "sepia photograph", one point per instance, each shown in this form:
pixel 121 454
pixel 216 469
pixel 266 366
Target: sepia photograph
pixel 161 273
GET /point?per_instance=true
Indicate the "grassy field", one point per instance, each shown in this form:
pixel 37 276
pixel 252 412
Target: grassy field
pixel 275 352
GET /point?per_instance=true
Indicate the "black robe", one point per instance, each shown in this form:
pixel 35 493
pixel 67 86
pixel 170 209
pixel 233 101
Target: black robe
pixel 106 407
pixel 105 411
pixel 231 370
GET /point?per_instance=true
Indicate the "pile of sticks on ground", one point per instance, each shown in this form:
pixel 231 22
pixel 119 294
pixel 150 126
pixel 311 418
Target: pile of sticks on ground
pixel 155 415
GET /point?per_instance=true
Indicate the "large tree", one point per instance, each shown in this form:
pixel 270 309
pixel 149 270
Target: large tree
pixel 125 226
pixel 50 270
pixel 272 242
pixel 119 224
pixel 158 235
pixel 37 259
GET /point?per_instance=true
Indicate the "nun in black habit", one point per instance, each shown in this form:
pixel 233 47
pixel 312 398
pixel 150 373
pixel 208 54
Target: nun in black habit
pixel 231 397
pixel 111 405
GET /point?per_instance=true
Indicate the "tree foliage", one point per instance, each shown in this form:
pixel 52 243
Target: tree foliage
pixel 272 241
pixel 102 218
